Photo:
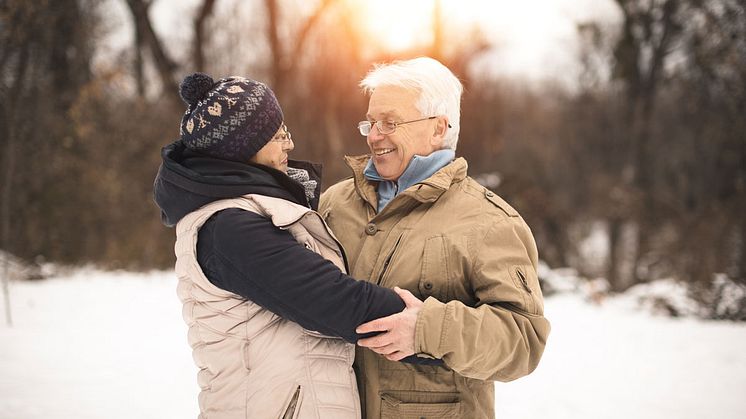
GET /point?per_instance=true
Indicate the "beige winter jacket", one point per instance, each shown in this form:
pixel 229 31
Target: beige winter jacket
pixel 472 259
pixel 254 364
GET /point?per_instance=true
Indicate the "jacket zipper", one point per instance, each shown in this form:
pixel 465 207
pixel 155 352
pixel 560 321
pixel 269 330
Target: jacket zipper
pixel 388 260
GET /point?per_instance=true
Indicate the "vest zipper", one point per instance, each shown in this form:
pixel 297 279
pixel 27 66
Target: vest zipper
pixel 339 245
pixel 388 260
pixel 331 236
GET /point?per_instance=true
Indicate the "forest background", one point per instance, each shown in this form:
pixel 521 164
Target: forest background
pixel 630 169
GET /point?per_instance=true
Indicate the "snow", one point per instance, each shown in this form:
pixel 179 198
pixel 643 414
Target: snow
pixel 113 345
pixel 97 345
pixel 609 362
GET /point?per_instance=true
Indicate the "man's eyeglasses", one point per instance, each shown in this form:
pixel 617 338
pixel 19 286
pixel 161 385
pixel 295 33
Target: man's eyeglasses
pixel 283 137
pixel 385 127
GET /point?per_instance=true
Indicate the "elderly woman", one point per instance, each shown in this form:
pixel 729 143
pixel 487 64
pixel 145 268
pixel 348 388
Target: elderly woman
pixel 270 310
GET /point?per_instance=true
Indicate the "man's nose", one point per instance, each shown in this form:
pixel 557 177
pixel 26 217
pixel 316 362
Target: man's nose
pixel 374 134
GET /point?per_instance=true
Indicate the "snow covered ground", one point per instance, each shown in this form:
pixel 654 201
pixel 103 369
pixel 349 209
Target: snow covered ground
pixel 113 345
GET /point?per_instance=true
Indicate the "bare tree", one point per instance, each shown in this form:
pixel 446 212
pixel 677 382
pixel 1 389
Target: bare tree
pixel 139 61
pixel 165 66
pixel 436 50
pixel 17 47
pixel 650 30
pixel 285 56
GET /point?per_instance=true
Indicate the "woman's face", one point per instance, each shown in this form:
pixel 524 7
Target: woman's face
pixel 275 152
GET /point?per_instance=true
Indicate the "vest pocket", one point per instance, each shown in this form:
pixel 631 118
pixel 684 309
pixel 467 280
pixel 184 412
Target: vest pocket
pixel 293 407
pixel 320 335
pixel 417 405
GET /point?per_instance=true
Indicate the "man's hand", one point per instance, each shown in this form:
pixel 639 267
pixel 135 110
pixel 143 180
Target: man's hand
pixel 398 340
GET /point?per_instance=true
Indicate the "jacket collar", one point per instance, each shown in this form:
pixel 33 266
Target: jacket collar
pixel 187 180
pixel 429 190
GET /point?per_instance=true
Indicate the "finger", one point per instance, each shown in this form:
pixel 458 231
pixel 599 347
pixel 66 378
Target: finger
pixel 385 350
pixel 378 325
pixel 395 356
pixel 406 296
pixel 375 341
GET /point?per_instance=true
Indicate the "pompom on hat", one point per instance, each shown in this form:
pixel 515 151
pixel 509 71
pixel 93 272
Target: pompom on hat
pixel 229 119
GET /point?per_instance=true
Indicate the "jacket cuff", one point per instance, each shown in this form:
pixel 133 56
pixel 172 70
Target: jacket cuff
pixel 430 328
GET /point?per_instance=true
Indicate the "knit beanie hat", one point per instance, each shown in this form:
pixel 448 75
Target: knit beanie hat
pixel 230 119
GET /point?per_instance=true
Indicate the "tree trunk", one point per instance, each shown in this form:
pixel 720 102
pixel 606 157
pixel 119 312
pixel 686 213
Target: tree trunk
pixel 556 235
pixel 139 63
pixel 741 270
pixel 642 79
pixel 277 70
pixel 615 254
pixel 281 66
pixel 199 34
pixel 8 178
pixel 10 128
pixel 436 50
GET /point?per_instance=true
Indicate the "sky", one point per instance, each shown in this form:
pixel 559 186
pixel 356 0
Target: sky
pixel 531 39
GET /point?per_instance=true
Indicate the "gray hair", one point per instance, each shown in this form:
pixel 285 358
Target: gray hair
pixel 440 90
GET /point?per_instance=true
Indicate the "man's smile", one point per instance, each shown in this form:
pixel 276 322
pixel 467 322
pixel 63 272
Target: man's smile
pixel 382 151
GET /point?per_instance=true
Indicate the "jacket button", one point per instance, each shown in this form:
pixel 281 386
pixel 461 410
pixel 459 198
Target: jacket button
pixel 428 286
pixel 488 194
pixel 371 229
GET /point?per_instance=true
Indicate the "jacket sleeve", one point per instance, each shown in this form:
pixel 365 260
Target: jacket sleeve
pixel 244 253
pixel 503 336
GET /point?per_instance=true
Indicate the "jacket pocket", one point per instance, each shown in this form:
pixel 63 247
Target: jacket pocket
pixel 416 405
pixel 434 281
pixel 292 409
pixel 388 260
pixel 526 281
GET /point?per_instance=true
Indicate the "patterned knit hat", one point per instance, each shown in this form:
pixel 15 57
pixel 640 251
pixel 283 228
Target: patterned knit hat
pixel 230 119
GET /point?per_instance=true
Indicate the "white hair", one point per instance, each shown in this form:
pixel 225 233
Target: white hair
pixel 440 90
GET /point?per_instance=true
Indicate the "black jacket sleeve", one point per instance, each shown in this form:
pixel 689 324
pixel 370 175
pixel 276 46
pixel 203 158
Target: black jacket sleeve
pixel 244 253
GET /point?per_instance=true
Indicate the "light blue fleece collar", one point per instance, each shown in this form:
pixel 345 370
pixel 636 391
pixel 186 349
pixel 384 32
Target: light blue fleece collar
pixel 419 169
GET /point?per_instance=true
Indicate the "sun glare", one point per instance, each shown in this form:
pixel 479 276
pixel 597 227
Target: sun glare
pixel 402 24
pixel 397 25
pixel 529 38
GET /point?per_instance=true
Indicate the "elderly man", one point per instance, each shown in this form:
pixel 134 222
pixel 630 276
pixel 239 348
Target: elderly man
pixel 410 218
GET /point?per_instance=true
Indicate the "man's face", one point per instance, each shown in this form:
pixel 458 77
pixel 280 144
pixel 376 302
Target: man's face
pixel 393 152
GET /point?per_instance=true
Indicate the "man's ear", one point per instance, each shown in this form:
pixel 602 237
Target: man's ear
pixel 439 133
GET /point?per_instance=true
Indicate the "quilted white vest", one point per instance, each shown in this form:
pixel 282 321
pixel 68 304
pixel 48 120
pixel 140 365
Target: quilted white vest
pixel 253 363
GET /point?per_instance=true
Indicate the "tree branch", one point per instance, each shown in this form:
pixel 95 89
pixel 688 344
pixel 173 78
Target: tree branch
pixel 163 63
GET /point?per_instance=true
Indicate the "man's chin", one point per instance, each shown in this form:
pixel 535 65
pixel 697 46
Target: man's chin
pixel 388 175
